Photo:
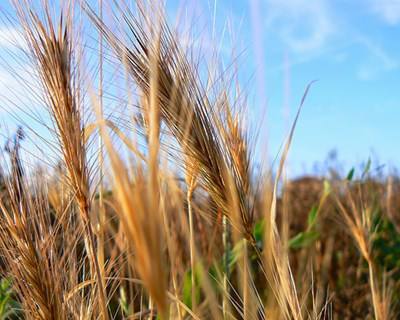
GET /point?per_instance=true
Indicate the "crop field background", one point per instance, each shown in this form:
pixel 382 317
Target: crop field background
pixel 145 174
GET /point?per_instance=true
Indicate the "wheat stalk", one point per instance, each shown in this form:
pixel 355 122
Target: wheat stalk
pixel 52 51
pixel 181 97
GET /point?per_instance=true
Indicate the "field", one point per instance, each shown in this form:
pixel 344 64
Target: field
pixel 155 207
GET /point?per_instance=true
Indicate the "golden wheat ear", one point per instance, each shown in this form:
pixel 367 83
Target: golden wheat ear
pixel 53 50
pixel 28 244
pixel 185 107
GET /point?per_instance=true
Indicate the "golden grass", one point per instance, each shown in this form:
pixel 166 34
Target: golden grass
pixel 52 49
pixel 177 228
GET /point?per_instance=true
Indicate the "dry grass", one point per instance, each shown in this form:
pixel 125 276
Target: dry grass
pixel 178 228
pixel 52 48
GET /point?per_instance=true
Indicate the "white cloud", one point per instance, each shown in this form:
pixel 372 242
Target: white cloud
pixel 387 10
pixel 385 60
pixel 379 60
pixel 303 25
pixel 11 38
pixel 18 90
pixel 16 75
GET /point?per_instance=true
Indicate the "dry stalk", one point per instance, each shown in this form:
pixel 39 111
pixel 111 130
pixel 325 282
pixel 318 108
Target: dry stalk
pixel 52 49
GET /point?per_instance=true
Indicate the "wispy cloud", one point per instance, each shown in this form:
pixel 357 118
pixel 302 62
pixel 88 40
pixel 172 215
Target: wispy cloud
pixel 316 28
pixel 387 10
pixel 17 80
pixel 378 60
pixel 11 38
pixel 18 91
pixel 303 25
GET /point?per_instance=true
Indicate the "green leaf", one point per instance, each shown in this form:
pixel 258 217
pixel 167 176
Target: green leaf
pixel 8 306
pixel 367 168
pixel 303 239
pixel 312 216
pixel 236 253
pixel 350 175
pixel 123 302
pixel 187 287
pixel 258 230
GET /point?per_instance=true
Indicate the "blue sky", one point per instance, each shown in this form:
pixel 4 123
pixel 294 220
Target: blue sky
pixel 351 47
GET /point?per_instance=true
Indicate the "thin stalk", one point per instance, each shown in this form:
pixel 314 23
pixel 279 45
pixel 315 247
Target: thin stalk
pixel 375 299
pixel 102 217
pixel 170 253
pixel 225 245
pixel 191 245
pixel 246 309
pixel 151 314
